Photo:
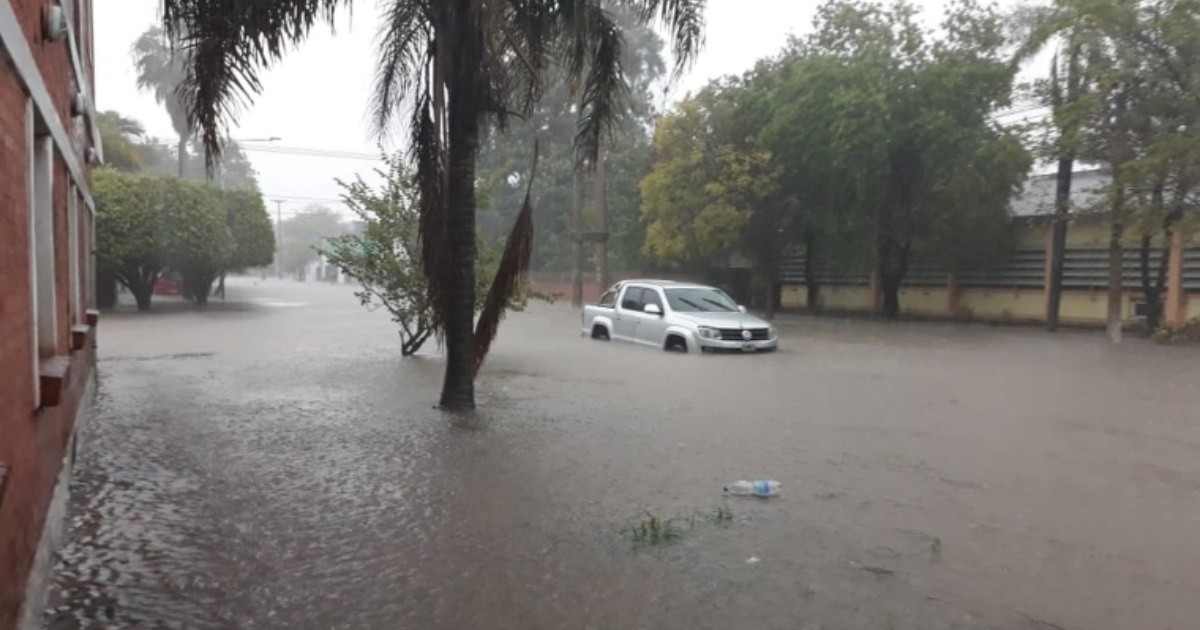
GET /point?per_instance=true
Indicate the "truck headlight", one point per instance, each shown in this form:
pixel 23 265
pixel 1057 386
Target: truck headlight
pixel 772 333
pixel 706 332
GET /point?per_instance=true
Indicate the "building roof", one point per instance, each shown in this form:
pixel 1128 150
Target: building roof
pixel 661 283
pixel 1037 199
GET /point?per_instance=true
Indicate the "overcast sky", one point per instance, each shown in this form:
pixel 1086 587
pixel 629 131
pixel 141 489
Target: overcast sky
pixel 316 98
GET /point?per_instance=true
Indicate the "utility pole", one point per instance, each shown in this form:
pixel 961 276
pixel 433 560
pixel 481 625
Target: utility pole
pixel 278 237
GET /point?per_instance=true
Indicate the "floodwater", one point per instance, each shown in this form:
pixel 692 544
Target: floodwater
pixel 274 463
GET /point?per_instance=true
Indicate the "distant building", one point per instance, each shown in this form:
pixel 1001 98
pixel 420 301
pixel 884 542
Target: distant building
pixel 48 139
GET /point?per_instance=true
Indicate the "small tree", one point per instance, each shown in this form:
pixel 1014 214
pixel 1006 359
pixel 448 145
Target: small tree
pixel 253 233
pixel 385 258
pixel 302 236
pixel 147 224
pixel 130 237
pixel 199 243
pixel 704 185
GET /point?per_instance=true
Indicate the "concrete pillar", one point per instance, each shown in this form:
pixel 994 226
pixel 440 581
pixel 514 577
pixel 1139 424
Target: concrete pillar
pixel 1048 270
pixel 1174 314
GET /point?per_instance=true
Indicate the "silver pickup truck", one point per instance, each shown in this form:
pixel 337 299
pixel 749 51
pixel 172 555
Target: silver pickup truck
pixel 677 317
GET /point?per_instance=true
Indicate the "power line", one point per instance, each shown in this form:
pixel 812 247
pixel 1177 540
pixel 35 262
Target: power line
pixel 311 152
pixel 304 198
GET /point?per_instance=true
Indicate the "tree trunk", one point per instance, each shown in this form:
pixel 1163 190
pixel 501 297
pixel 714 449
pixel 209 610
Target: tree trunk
pixel 140 285
pixel 182 155
pixel 203 288
pixel 1119 152
pixel 811 284
pixel 1058 249
pixel 1116 260
pixel 890 288
pixel 143 297
pixel 577 242
pixel 463 105
pixel 1155 288
pixel 602 213
pixel 762 287
pixel 1062 192
pixel 893 263
pixel 106 289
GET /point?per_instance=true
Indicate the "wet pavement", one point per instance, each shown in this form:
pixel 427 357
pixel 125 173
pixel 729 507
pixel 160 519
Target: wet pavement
pixel 272 462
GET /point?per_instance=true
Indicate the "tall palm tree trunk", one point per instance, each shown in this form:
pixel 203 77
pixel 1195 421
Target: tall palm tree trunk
pixel 463 107
pixel 602 274
pixel 182 154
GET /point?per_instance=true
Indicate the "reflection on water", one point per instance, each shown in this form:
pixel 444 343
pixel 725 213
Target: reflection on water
pixel 283 468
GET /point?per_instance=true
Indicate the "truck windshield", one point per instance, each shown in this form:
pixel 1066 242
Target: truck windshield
pixel 693 300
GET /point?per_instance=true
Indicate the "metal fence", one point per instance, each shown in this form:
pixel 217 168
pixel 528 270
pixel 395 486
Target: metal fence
pixel 1083 269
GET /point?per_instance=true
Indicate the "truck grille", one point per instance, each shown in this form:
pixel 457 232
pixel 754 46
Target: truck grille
pixel 735 334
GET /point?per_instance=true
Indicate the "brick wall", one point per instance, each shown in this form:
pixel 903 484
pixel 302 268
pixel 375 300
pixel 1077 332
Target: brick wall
pixel 34 436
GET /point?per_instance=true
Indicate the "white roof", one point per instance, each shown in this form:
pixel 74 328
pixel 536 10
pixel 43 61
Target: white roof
pixel 1037 199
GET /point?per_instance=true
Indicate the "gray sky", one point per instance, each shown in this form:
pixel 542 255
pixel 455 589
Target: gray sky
pixel 316 98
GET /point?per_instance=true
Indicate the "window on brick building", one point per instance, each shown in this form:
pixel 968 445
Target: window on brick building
pixel 75 306
pixel 41 256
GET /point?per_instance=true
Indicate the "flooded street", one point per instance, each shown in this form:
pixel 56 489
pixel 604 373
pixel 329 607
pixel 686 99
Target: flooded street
pixel 273 463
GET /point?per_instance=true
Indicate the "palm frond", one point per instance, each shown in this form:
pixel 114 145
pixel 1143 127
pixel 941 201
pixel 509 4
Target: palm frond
pixel 227 43
pixel 684 20
pixel 404 52
pixel 594 47
pixel 514 264
pixel 430 178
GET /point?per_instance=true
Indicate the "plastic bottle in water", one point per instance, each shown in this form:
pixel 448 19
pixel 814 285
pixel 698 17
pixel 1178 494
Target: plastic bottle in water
pixel 757 488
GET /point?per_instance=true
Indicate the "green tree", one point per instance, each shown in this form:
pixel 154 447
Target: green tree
pixel 385 258
pixel 199 242
pixel 455 66
pixel 253 232
pixel 302 236
pixel 161 71
pixel 130 233
pixel 703 187
pixel 1136 112
pixel 145 225
pixel 923 168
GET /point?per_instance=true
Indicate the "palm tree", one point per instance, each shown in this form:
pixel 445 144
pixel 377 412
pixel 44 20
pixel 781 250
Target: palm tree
pixel 123 141
pixel 161 71
pixel 454 66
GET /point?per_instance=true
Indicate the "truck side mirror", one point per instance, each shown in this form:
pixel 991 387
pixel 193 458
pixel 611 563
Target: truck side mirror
pixel 652 309
pixel 741 309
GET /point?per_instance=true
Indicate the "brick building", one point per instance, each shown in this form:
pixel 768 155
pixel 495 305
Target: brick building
pixel 48 140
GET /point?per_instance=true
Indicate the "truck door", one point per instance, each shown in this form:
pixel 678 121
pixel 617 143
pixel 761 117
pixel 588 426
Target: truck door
pixel 628 311
pixel 652 329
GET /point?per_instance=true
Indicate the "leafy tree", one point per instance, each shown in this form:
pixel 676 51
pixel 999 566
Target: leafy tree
pixel 161 71
pixel 130 233
pixel 907 124
pixel 253 232
pixel 455 66
pixel 199 243
pixel 303 235
pixel 1136 112
pixel 703 187
pixel 148 224
pixel 385 258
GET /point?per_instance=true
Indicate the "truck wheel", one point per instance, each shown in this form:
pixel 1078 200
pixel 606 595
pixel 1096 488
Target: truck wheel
pixel 600 332
pixel 676 344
